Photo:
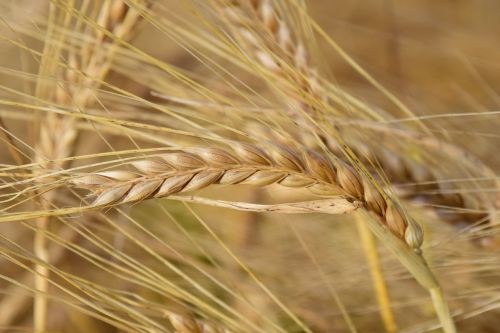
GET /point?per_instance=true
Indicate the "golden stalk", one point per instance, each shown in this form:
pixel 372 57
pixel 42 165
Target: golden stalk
pixel 383 298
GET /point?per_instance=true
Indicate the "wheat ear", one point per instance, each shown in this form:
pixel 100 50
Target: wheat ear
pixel 196 168
pixel 58 133
pixel 87 66
pixel 277 49
pixel 246 164
pixel 193 169
pixel 286 55
pixel 272 44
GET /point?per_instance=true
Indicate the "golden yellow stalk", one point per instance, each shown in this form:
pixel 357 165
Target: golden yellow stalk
pixel 383 298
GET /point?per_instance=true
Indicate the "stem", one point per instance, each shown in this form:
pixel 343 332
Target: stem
pixel 371 254
pixel 417 266
pixel 41 278
pixel 442 310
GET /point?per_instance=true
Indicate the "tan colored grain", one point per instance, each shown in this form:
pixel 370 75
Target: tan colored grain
pixel 194 169
pixel 427 188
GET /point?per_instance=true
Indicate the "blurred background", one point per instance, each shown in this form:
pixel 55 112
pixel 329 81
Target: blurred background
pixel 438 57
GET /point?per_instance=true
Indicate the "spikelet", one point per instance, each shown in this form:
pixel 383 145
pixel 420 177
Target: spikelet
pixel 395 220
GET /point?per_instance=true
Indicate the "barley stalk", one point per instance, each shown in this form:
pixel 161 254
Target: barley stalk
pixel 382 293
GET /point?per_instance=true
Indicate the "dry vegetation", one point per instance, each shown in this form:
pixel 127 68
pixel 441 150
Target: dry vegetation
pixel 249 166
